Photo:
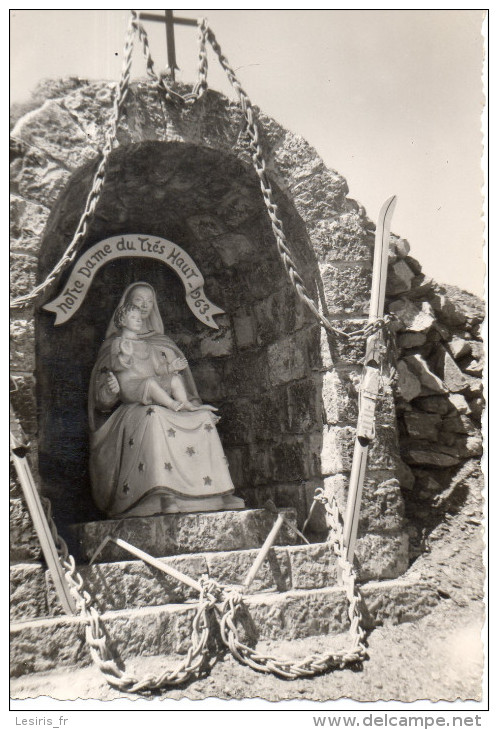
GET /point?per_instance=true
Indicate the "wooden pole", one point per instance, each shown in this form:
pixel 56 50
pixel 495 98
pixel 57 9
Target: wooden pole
pixel 264 550
pixel 18 452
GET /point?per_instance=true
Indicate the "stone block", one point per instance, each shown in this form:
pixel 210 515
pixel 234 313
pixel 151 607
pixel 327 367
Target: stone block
pixel 164 535
pixel 383 454
pixel 217 343
pixel 38 178
pixel 398 247
pixel 238 460
pixel 269 414
pixel 382 556
pixel 275 572
pixel 24 403
pixel 22 274
pixel 399 279
pixel 382 506
pixel 425 484
pixel 459 402
pixel 346 288
pixel 414 265
pixel 447 311
pixel 38 646
pixel 91 105
pixel 236 425
pixel 337 449
pixel 451 374
pixel 312 566
pixel 22 350
pixel 459 347
pixel 245 329
pixel 28 598
pixel 343 350
pixel 408 384
pixel 476 406
pixel 52 130
pixel 427 456
pixel 340 396
pixel 286 360
pixel 411 339
pixel 233 248
pixel 24 544
pixel 427 378
pixel 303 406
pixel 280 313
pixel 27 222
pixel 434 404
pixel 209 379
pixel 134 584
pixel 246 374
pixel 405 476
pixel 413 317
pixel 422 425
pixel 292 495
pixel 290 460
pixel 317 192
pixel 341 239
pixel 458 424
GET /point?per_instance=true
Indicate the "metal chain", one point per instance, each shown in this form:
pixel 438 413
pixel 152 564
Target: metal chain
pixel 160 83
pixel 98 178
pixel 315 663
pixel 134 26
pixel 211 593
pixel 96 637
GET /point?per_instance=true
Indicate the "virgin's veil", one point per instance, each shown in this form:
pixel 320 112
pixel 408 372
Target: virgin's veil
pixel 153 321
pixel 155 336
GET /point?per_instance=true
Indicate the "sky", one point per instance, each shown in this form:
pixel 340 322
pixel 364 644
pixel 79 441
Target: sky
pixel 391 99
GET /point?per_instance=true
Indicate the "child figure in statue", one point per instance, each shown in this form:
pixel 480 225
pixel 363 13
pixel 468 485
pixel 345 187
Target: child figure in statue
pixel 144 373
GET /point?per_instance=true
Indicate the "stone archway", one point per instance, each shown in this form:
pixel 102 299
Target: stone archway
pixel 261 368
pixel 56 146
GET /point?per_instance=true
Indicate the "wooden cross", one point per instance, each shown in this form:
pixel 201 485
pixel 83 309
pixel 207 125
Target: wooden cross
pixel 169 19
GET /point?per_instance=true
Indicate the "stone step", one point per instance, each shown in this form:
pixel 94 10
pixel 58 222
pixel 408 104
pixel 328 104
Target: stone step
pixel 177 534
pixel 134 584
pixel 41 645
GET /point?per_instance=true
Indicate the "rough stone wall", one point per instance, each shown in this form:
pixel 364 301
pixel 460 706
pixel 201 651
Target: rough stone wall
pixel 287 393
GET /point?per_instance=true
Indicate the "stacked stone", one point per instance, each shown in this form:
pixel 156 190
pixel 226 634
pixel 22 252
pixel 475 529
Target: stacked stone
pixel 439 399
pixel 287 392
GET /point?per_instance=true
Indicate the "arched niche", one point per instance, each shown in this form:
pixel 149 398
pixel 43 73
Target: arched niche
pixel 259 368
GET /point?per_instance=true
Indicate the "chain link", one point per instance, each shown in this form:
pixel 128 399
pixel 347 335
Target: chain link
pixel 316 663
pixel 252 130
pixel 211 592
pixel 96 637
pixel 92 200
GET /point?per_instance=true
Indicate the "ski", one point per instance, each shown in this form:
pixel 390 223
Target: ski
pixel 18 453
pixel 370 380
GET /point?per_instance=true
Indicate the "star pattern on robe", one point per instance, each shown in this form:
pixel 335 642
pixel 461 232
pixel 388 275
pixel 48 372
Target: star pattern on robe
pixel 150 411
pixel 168 466
pixel 208 481
pixel 131 442
pixel 208 427
pixel 190 450
pixel 140 467
pixel 126 489
pixel 171 433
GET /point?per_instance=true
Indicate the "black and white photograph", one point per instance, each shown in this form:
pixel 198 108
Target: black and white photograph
pixel 247 362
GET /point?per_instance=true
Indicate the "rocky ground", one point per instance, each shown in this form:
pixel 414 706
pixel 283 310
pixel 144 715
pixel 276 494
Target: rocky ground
pixel 438 658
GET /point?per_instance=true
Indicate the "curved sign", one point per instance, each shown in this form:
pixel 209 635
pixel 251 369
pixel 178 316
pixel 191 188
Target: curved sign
pixel 134 246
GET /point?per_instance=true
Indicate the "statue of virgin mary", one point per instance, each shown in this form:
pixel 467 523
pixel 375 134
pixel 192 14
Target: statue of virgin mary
pixel 146 459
